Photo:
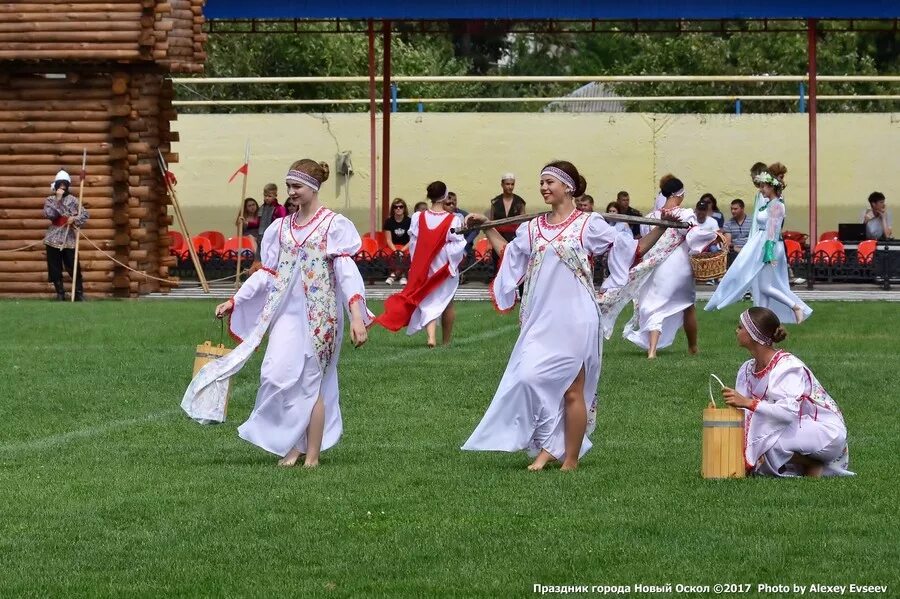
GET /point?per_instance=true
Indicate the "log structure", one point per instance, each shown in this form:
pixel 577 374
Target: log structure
pixel 85 74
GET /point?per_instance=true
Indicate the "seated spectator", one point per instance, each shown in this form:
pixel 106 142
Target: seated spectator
pixel 624 204
pixel 420 207
pixel 249 219
pixel 877 218
pixel 397 238
pixel 714 208
pixel 451 205
pixel 585 203
pixel 613 208
pixel 737 229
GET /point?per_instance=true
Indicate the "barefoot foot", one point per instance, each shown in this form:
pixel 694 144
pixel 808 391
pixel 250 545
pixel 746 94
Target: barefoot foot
pixel 569 465
pixel 541 460
pixel 309 464
pixel 290 459
pixel 693 350
pixel 798 314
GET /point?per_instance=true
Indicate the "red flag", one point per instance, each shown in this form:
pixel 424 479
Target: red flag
pixel 170 177
pixel 244 168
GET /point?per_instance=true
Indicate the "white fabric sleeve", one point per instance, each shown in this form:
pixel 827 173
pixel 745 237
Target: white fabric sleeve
pixel 776 218
pixel 413 234
pixel 742 383
pixel 697 237
pixel 261 280
pixel 513 265
pixel 342 244
pixel 621 259
pixel 786 386
pixel 455 246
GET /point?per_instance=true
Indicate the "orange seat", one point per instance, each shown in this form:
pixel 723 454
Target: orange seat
pixel 247 242
pixel 178 246
pixel 369 247
pixel 381 237
pixel 828 236
pixel 793 250
pixel 216 238
pixel 482 248
pixel 866 251
pixel 828 252
pixel 797 236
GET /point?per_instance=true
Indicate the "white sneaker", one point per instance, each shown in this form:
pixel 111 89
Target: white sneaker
pixel 389 280
pixel 403 280
pixel 798 281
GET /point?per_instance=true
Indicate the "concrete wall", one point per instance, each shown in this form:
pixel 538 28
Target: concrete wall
pixel 858 153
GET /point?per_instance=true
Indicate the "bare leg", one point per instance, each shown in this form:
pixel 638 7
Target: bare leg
pixel 576 421
pixel 690 329
pixel 314 433
pixel 447 320
pixel 542 459
pixel 654 340
pixel 431 332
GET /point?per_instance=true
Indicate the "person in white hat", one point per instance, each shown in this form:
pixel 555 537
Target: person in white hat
pixel 505 205
pixel 62 210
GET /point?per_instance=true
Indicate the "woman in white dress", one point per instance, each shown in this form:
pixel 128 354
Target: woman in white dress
pixel 666 300
pixel 761 266
pixel 792 426
pixel 307 280
pixel 546 401
pixel 435 254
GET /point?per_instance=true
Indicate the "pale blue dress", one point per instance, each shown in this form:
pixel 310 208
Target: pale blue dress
pixel 761 268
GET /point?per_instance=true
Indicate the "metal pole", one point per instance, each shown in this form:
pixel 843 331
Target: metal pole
pixel 386 121
pixel 802 107
pixel 394 97
pixel 813 191
pixel 737 106
pixel 373 148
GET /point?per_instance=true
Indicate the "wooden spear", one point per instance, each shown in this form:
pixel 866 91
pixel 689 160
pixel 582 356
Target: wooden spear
pixel 77 214
pixel 622 218
pixel 240 217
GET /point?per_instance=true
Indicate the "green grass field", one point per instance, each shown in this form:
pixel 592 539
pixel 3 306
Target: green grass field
pixel 107 489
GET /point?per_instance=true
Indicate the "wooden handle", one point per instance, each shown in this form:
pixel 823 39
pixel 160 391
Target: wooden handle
pixel 621 218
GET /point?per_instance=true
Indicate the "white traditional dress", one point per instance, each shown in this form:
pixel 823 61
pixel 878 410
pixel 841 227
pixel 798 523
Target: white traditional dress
pixel 560 334
pixel 453 252
pixel 761 268
pixel 670 289
pixel 307 280
pixel 791 413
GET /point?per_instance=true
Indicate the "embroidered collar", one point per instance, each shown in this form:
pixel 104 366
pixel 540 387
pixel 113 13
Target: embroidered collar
pixel 436 213
pixel 313 219
pixel 565 223
pixel 775 359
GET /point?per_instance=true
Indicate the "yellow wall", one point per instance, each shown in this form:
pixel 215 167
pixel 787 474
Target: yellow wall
pixel 858 153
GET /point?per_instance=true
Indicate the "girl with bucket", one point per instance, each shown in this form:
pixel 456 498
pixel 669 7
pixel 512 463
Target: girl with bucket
pixel 307 281
pixel 546 401
pixel 792 426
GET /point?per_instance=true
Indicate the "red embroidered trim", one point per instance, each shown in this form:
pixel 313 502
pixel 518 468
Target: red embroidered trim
pixel 567 221
pixel 343 256
pixel 775 359
pixel 231 333
pixel 356 298
pixel 272 272
pixel 435 212
pixel 308 235
pixel 294 224
pixel 752 407
pixel 638 256
pixel 561 226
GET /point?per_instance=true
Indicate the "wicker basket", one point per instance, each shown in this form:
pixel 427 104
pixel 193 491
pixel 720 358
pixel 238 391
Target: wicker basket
pixel 708 266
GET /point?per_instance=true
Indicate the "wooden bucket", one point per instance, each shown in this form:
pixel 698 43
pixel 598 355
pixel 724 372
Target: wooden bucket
pixel 207 352
pixel 723 440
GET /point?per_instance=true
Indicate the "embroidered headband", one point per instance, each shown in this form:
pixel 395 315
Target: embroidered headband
pixel 679 193
pixel 753 330
pixel 302 178
pixel 560 174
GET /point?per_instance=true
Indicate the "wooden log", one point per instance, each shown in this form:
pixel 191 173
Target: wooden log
pixel 39 38
pixel 38 181
pixel 54 160
pixel 72 17
pixel 41 126
pixel 23 99
pixel 27 48
pixel 19 289
pixel 36 202
pixel 97 114
pixel 19 213
pixel 70 54
pixel 38 255
pixel 62 26
pixel 26 236
pixel 42 7
pixel 39 277
pixel 93 265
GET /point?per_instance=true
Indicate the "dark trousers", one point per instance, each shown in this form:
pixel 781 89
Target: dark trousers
pixel 57 260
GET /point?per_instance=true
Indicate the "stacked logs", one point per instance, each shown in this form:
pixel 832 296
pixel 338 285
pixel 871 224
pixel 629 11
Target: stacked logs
pixel 166 32
pixel 60 93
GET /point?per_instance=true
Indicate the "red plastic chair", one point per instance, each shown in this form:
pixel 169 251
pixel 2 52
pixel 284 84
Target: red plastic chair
pixel 232 244
pixel 178 246
pixel 216 238
pixel 203 247
pixel 483 249
pixel 793 250
pixel 866 251
pixel 829 252
pixel 797 236
pixel 828 236
pixel 369 247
